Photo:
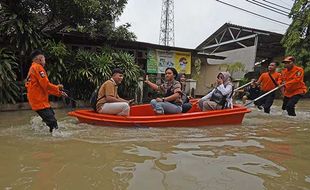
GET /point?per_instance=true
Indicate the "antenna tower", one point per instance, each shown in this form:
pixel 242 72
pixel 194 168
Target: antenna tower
pixel 166 36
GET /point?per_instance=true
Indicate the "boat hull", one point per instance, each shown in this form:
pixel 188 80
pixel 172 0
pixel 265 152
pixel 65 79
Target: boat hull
pixel 143 116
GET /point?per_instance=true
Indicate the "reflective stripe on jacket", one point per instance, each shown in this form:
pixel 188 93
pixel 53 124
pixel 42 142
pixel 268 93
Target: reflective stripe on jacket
pixel 294 83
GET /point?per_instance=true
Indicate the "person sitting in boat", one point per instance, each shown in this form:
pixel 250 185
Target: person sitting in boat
pixel 182 79
pixel 186 106
pixel 171 103
pixel 108 100
pixel 221 96
pixel 250 92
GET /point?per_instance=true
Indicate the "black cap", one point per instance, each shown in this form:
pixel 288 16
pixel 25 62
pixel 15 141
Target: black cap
pixel 117 70
pixel 35 53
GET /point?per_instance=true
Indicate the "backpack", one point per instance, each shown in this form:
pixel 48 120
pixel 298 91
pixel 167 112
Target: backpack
pixel 94 99
pixel 184 98
pixel 218 97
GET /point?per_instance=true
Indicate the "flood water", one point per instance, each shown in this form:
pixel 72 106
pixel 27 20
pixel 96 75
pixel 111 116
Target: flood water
pixel 265 152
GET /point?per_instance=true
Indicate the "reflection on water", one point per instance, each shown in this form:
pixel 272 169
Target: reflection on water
pixel 265 152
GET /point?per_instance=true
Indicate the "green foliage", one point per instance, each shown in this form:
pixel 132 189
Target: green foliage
pixel 8 87
pixel 297 37
pixel 56 53
pixel 83 71
pixel 233 67
pixel 52 16
pixel 86 71
pixel 131 70
pixel 24 24
pixel 18 30
pixel 122 33
pixel 243 81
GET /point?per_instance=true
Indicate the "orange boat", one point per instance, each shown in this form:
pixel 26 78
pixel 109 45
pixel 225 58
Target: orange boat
pixel 144 116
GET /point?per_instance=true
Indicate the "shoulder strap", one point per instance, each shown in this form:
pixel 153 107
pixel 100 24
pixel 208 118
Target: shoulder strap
pixel 231 94
pixel 274 82
pixel 232 91
pixel 100 98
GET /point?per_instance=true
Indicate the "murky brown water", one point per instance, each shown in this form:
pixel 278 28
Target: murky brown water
pixel 265 152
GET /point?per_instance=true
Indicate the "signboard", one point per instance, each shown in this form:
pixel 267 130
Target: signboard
pixel 151 61
pixel 165 59
pixel 183 62
pixel 159 60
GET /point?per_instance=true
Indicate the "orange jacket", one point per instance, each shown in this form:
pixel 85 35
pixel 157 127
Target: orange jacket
pixel 294 83
pixel 39 87
pixel 266 83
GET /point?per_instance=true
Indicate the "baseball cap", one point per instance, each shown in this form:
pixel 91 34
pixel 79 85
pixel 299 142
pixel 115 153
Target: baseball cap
pixel 288 59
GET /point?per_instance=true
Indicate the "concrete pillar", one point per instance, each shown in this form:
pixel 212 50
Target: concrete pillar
pixel 190 87
pixel 139 94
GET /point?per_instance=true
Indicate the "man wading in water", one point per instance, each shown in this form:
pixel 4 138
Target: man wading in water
pixel 39 88
pixel 267 82
pixel 295 88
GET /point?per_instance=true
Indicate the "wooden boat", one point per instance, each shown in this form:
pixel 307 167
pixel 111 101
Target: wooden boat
pixel 144 116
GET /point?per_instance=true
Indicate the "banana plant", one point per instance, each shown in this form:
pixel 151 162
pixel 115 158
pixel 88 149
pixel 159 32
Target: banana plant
pixel 132 72
pixel 56 55
pixel 9 89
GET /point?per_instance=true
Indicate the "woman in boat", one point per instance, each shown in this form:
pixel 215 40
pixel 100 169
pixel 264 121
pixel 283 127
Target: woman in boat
pixel 171 103
pixel 185 99
pixel 182 79
pixel 221 96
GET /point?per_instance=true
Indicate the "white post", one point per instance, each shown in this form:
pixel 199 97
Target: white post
pixel 140 89
pixel 190 87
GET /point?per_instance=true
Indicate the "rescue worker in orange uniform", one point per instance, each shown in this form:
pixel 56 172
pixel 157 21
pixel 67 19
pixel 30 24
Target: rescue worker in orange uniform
pixel 39 88
pixel 268 81
pixel 294 88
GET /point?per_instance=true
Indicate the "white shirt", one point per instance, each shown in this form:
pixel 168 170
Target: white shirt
pixel 225 91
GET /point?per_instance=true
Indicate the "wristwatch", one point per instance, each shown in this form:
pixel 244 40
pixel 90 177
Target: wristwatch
pixel 163 99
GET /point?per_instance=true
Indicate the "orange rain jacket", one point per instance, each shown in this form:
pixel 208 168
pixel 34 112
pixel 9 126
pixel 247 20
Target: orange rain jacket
pixel 294 83
pixel 266 83
pixel 39 87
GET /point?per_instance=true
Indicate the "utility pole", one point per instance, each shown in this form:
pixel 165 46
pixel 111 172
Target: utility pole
pixel 166 36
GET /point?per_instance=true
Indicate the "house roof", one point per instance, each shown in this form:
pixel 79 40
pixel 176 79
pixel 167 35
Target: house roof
pixel 86 39
pixel 230 36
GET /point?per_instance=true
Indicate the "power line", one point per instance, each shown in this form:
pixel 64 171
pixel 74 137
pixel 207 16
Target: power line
pixel 285 3
pixel 253 13
pixel 268 7
pixel 271 6
pixel 277 5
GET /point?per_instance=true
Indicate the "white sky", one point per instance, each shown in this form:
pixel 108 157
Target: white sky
pixel 195 20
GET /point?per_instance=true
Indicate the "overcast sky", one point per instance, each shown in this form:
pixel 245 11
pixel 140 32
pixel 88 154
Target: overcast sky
pixel 195 20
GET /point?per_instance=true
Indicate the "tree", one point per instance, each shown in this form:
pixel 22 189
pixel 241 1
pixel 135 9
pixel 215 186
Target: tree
pixel 233 67
pixel 29 24
pixel 51 16
pixel 297 37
